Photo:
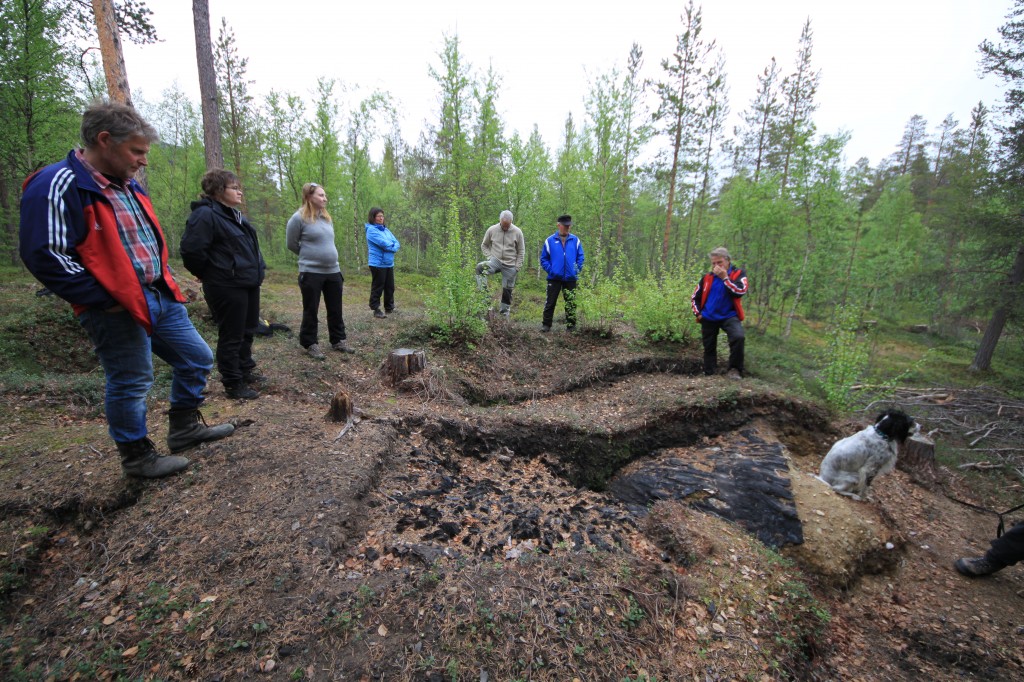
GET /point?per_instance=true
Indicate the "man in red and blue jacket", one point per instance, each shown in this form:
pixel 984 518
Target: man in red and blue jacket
pixel 717 304
pixel 90 235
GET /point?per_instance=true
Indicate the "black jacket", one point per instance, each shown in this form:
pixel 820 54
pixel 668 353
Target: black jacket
pixel 220 246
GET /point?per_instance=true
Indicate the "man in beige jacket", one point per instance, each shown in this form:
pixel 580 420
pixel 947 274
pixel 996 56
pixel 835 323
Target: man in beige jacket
pixel 504 247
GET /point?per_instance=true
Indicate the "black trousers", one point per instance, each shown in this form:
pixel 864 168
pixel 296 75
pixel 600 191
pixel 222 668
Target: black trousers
pixel 312 285
pixel 568 291
pixel 236 311
pixel 733 329
pixel 1008 548
pixel 382 281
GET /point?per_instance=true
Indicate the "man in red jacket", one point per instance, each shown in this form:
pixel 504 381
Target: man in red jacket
pixel 89 233
pixel 716 303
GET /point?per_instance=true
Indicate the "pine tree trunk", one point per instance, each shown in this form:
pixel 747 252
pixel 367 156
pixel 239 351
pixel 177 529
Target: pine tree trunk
pixel 987 347
pixel 207 85
pixel 110 49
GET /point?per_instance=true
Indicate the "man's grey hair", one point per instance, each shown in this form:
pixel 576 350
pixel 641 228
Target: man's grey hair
pixel 120 120
pixel 505 215
pixel 720 252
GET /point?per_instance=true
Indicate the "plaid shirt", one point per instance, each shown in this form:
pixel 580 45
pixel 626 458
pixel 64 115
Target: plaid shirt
pixel 137 234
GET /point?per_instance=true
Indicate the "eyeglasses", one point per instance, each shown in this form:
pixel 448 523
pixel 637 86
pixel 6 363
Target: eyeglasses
pixel 234 187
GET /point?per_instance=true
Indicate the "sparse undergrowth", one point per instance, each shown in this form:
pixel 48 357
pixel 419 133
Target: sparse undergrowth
pixel 280 551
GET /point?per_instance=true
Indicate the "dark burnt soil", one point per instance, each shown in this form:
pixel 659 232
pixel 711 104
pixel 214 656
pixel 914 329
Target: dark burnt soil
pixel 468 528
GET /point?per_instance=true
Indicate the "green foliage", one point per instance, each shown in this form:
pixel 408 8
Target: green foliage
pixel 932 228
pixel 659 305
pixel 635 615
pixel 456 307
pixel 16 566
pixel 844 358
pixel 181 159
pixel 38 102
pixel 600 305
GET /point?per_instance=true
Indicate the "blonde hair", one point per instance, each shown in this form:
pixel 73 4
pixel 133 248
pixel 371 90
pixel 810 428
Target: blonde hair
pixel 307 211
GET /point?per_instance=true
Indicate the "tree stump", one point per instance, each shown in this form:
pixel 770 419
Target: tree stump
pixel 403 362
pixel 917 458
pixel 341 408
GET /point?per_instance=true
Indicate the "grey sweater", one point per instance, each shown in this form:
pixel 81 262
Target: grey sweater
pixel 314 242
pixel 507 247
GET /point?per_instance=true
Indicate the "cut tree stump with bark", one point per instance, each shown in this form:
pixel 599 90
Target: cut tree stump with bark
pixel 403 362
pixel 917 458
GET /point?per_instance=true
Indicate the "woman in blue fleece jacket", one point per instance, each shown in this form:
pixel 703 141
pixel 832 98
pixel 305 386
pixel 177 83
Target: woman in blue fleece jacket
pixel 382 246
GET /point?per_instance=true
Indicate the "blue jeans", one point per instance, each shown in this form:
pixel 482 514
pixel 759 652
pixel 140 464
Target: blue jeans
pixel 126 354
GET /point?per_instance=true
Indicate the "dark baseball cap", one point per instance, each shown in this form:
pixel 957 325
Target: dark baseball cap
pixel 565 220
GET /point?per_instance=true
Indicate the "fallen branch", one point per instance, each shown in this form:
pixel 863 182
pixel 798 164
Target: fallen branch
pixel 980 466
pixel 980 438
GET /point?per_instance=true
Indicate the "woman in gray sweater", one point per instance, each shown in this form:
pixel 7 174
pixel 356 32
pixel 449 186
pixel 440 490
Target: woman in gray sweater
pixel 310 233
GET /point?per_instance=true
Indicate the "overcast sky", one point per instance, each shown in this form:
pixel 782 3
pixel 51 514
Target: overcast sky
pixel 881 61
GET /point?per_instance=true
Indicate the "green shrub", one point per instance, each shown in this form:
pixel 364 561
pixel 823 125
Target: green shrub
pixel 600 304
pixel 456 307
pixel 659 306
pixel 844 358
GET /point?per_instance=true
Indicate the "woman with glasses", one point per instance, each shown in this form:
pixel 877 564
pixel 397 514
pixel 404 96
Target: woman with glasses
pixel 222 250
pixel 382 246
pixel 310 233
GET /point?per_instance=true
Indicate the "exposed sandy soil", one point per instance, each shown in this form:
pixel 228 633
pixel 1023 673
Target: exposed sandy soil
pixel 462 530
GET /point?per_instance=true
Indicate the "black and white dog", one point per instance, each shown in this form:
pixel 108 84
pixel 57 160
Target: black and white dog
pixel 855 461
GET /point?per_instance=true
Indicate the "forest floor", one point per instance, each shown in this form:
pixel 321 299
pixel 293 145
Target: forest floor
pixel 467 527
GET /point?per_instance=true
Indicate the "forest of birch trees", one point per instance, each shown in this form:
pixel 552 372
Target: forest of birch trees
pixel 652 174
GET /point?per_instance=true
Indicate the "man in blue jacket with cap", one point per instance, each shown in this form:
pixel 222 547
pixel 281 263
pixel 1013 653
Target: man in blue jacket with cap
pixel 562 258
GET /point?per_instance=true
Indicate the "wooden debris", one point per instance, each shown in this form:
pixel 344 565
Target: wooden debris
pixel 979 466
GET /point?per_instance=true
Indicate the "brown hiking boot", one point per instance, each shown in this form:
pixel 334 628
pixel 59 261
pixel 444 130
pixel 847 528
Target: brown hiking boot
pixel 140 459
pixel 188 428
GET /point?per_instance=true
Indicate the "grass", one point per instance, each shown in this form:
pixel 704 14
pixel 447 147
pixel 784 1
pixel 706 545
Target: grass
pixel 918 359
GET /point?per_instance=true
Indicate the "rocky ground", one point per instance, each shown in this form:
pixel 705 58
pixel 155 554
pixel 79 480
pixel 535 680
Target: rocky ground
pixel 542 507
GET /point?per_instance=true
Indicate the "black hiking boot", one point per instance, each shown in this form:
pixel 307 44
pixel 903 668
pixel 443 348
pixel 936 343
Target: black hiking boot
pixel 140 459
pixel 976 568
pixel 188 429
pixel 254 378
pixel 241 391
